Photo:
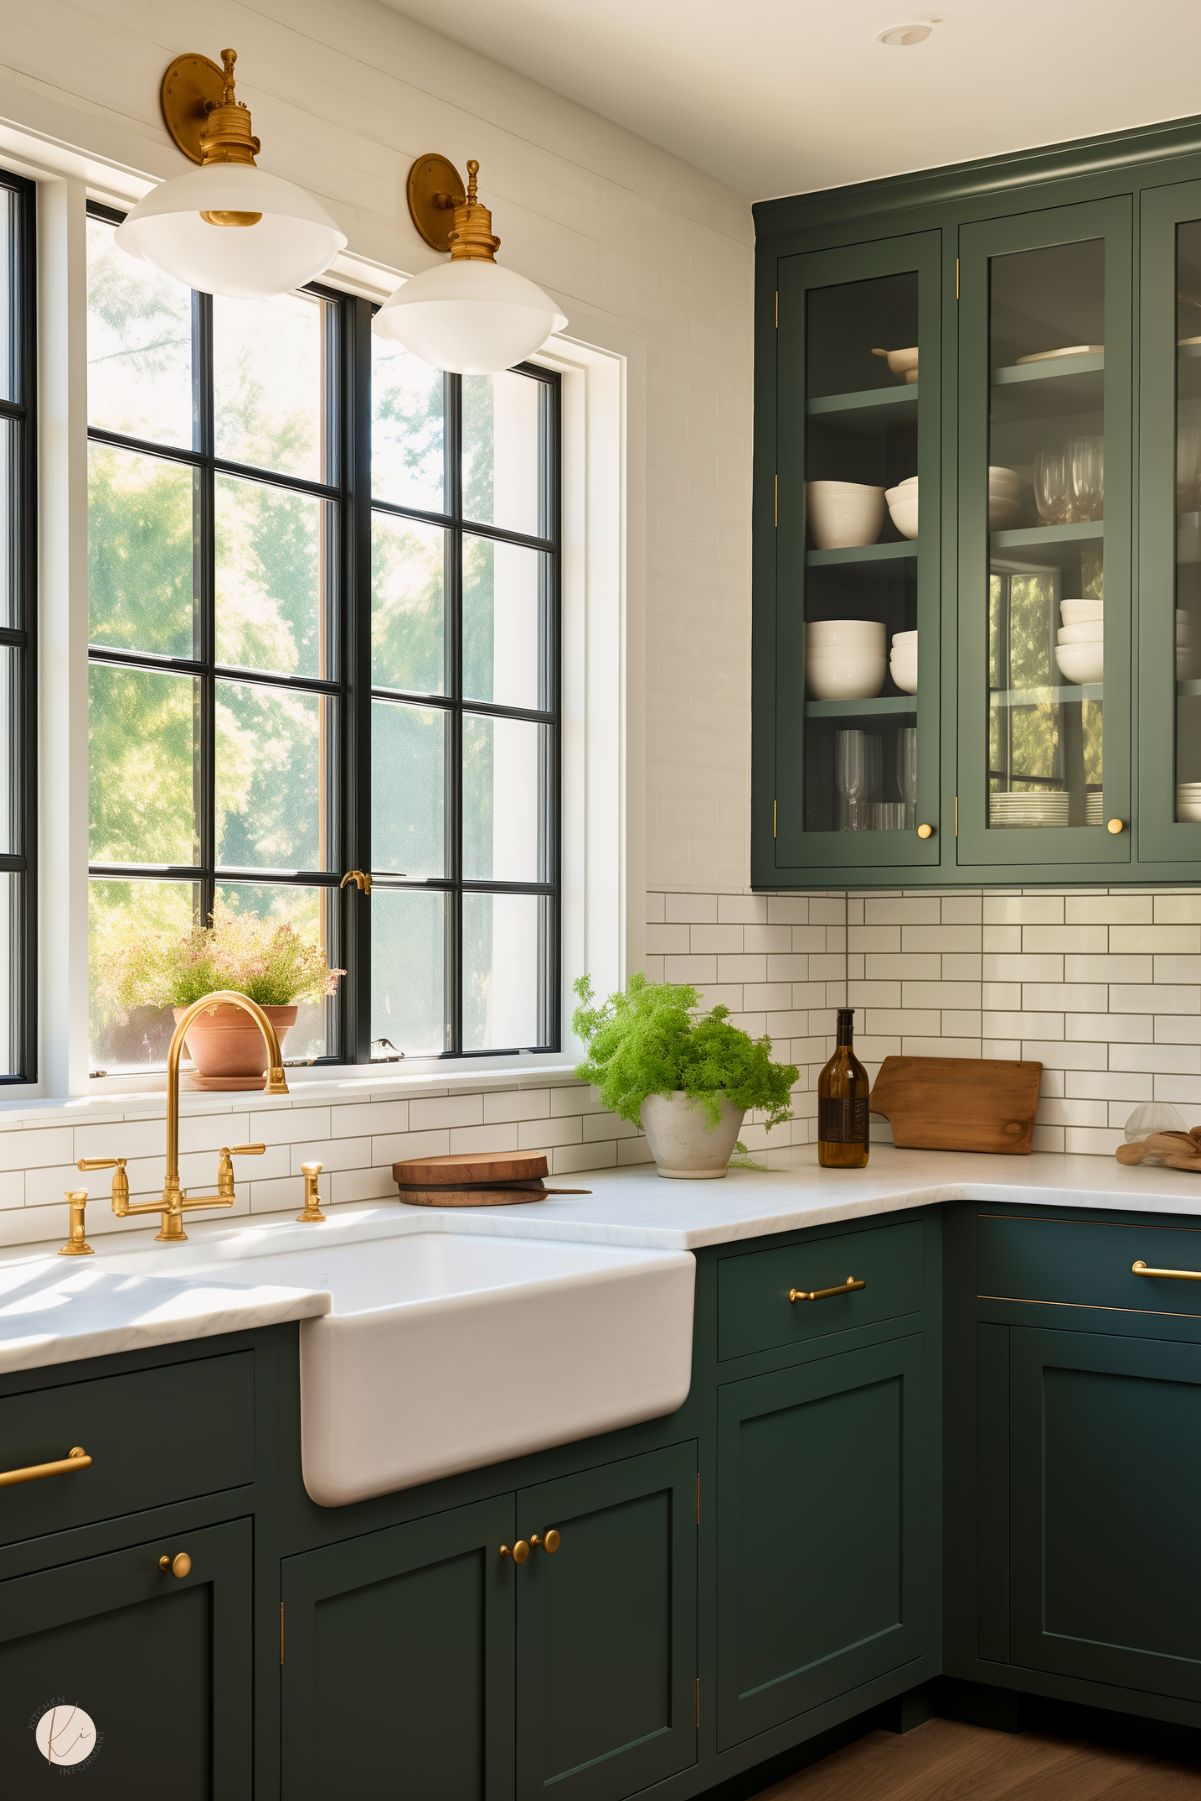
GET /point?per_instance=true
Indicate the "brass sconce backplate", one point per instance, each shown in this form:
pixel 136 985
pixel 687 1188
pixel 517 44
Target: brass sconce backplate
pixel 192 87
pixel 434 188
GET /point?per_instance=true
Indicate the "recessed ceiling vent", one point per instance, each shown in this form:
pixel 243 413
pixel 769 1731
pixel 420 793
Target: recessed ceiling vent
pixel 904 37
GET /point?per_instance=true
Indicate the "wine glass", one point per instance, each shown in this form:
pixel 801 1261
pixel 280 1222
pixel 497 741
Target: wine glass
pixel 1188 468
pixel 1051 487
pixel 907 770
pixel 850 778
pixel 1086 474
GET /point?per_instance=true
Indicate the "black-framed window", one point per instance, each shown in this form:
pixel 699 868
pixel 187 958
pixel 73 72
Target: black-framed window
pixel 288 682
pixel 18 637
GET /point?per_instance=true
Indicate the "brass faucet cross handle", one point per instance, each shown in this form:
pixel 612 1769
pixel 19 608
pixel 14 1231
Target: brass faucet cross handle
pixel 312 1215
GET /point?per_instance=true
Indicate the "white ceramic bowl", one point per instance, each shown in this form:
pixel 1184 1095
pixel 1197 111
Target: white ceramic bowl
pixel 903 362
pixel 845 677
pixel 905 678
pixel 901 638
pixel 842 514
pixel 903 513
pixel 999 476
pixel 843 634
pixel 1003 511
pixel 1081 662
pixel 1075 612
pixel 1089 631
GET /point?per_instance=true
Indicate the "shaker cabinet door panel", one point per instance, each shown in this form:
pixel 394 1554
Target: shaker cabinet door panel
pixel 820 1503
pixel 398 1662
pixel 855 740
pixel 136 1681
pixel 1106 1495
pixel 606 1630
pixel 1044 519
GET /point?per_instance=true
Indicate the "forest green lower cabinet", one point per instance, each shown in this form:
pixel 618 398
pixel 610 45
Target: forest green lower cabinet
pixel 422 1654
pixel 1106 1494
pixel 113 1670
pixel 820 1482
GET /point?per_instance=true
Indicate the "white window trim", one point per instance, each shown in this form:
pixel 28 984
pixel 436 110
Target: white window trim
pixel 602 369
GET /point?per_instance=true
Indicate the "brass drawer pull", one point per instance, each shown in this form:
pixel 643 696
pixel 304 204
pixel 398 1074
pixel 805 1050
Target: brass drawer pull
pixel 76 1459
pixel 1173 1275
pixel 850 1286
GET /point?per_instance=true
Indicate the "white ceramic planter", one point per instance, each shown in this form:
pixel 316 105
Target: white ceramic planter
pixel 681 1138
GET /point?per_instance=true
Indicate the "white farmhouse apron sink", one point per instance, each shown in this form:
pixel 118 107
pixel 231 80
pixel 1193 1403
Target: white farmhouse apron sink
pixel 447 1352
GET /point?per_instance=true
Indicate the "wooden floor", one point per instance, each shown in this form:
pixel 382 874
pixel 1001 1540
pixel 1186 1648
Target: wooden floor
pixel 943 1761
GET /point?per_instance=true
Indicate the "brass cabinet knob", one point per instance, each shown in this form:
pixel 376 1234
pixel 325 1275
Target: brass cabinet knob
pixel 1115 826
pixel 179 1566
pixel 520 1552
pixel 550 1543
pixel 925 830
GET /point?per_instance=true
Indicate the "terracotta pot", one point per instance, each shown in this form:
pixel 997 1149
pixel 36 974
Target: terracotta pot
pixel 227 1048
pixel 683 1142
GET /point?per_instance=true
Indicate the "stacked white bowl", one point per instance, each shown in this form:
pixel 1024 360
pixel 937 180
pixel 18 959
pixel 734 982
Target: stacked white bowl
pixel 844 513
pixel 1080 643
pixel 1007 494
pixel 844 658
pixel 902 506
pixel 902 663
pixel 1188 802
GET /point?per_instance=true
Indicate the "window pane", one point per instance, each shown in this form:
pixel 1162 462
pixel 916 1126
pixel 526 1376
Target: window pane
pixel 269 383
pixel 273 767
pixel 125 1031
pixel 141 766
pixel 12 776
pixel 141 581
pixel 139 345
pixel 502 451
pixel 408 605
pixel 504 937
pixel 504 646
pixel 10 322
pixel 505 795
pixel 408 970
pixel 408 782
pixel 308 911
pixel 408 430
pixel 275 551
pixel 12 524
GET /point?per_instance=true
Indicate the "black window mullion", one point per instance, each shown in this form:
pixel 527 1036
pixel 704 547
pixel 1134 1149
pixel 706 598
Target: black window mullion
pixel 205 568
pixel 356 671
pixel 453 411
pixel 20 1059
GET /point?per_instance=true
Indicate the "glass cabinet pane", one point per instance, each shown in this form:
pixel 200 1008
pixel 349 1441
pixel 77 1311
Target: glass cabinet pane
pixel 1185 672
pixel 863 393
pixel 1046 510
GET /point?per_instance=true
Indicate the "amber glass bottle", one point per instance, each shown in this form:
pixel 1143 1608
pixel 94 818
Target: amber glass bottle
pixel 842 1091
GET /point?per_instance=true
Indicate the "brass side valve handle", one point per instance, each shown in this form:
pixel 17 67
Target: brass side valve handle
pixel 178 1566
pixel 312 1214
pixel 77 1244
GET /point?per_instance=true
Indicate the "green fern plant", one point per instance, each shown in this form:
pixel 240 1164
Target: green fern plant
pixel 651 1039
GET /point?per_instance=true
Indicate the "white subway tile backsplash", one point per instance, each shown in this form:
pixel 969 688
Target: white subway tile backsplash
pixel 1108 909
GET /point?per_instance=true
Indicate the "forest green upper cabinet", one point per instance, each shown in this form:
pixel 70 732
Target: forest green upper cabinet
pixel 1044 537
pixel 1170 526
pixel 855 761
pixel 1055 732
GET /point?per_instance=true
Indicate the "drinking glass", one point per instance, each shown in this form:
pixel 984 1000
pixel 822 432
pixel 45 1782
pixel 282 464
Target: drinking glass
pixel 1188 468
pixel 850 778
pixel 888 815
pixel 1086 474
pixel 907 771
pixel 1051 487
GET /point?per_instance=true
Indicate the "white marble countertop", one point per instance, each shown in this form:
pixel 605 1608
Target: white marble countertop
pixel 134 1293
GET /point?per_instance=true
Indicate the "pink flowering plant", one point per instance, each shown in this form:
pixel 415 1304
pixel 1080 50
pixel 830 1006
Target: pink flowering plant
pixel 266 959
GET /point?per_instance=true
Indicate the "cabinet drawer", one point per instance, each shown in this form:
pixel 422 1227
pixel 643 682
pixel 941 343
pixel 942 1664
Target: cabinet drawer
pixel 1088 1263
pixel 154 1436
pixel 754 1312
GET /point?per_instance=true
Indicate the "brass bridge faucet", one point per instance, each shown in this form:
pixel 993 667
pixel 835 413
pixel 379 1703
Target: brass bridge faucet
pixel 175 1202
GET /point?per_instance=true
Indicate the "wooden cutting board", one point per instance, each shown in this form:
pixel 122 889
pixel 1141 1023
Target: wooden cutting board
pixel 468 1169
pixel 958 1103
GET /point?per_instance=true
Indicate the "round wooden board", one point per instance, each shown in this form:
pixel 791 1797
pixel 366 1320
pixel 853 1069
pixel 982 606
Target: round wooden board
pixel 469 1167
pixel 469 1197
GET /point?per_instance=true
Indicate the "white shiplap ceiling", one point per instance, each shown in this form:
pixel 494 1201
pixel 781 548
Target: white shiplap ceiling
pixel 785 96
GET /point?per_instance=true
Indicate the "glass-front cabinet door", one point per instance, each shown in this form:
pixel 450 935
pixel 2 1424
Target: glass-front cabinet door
pixel 857 517
pixel 1169 637
pixel 1044 538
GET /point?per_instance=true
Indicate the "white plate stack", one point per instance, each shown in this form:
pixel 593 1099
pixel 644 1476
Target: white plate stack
pixel 1094 807
pixel 1188 802
pixel 1045 808
pixel 1080 643
pixel 1007 495
pixel 844 658
pixel 902 662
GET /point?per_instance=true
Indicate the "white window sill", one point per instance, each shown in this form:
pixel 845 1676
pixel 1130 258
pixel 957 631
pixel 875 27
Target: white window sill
pixel 138 1097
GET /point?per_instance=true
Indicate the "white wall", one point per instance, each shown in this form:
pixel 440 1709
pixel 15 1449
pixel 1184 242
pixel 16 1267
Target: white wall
pixel 648 256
